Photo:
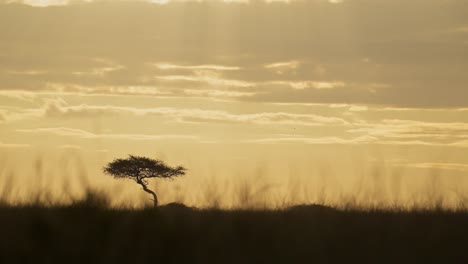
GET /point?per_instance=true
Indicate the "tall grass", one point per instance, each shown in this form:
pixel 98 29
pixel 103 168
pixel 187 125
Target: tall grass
pixel 68 181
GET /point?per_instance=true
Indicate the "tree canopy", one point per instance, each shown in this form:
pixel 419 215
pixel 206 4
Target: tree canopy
pixel 141 169
pixel 135 167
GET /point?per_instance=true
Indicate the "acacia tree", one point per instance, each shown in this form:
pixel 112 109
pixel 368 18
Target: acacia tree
pixel 140 169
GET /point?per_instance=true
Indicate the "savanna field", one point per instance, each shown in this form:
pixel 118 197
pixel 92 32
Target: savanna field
pixel 88 227
pixel 88 232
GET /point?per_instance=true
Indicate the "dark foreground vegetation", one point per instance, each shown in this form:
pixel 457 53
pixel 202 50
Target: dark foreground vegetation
pixel 86 232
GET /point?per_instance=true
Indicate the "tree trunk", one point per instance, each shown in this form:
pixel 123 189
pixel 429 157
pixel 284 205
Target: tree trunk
pixel 155 197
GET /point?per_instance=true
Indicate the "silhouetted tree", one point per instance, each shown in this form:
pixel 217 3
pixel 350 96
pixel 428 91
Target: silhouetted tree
pixel 141 169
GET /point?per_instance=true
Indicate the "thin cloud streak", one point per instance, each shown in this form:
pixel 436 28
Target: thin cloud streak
pixel 80 133
pixel 13 145
pixel 437 165
pixel 394 128
pixel 168 66
pixel 357 141
pixel 314 141
pixel 58 109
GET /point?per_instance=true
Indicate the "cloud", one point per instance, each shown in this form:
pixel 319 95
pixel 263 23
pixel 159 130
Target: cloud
pixel 44 3
pixel 361 140
pixel 13 145
pixel 208 77
pixel 102 70
pixel 217 93
pixel 265 118
pixel 79 133
pixel 17 114
pixel 358 108
pixel 402 109
pixel 105 90
pixel 415 133
pixel 365 57
pixel 30 72
pixel 18 95
pixel 61 89
pixel 286 64
pixel 315 140
pixel 436 165
pixel 384 132
pixel 169 66
pixel 57 108
pixel 288 67
pixel 395 128
pixel 427 143
pixel 300 85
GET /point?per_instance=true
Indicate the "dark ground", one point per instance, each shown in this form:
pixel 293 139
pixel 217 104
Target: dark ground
pixel 307 234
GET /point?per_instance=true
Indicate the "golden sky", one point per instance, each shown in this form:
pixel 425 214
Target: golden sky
pixel 230 87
